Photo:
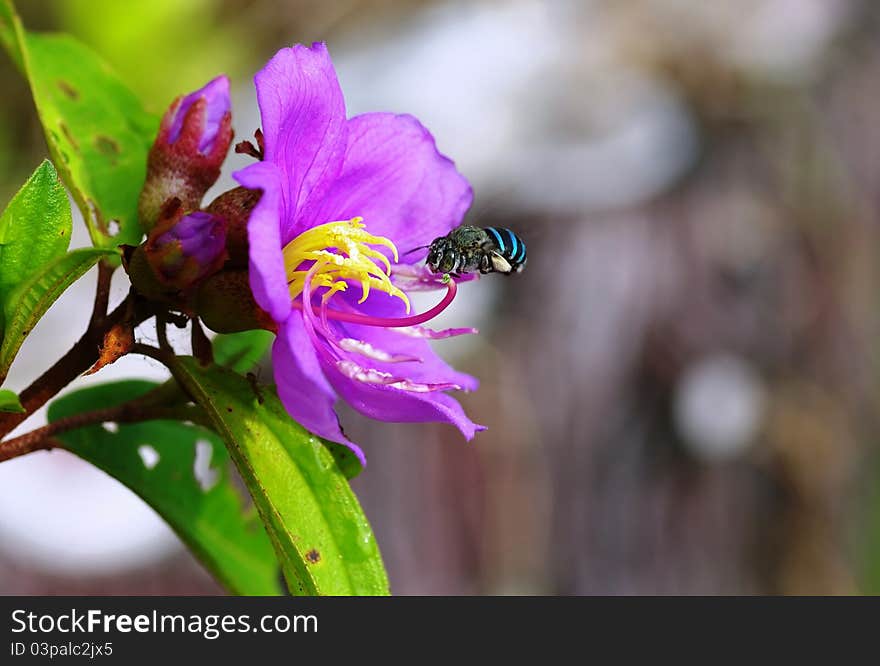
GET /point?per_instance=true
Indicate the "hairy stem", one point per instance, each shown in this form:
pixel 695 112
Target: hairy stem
pixel 102 294
pixel 14 448
pixel 130 412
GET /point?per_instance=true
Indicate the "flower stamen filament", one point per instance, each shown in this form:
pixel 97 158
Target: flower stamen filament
pixel 322 337
pixel 340 254
pixel 341 251
pixel 330 258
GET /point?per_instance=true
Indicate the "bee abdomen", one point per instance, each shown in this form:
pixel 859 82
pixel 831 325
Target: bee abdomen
pixel 508 245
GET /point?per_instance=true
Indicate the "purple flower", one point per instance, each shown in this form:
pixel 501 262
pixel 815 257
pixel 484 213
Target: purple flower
pixel 207 124
pixel 183 249
pixel 339 196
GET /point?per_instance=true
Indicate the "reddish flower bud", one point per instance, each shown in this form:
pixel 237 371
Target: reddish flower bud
pixel 185 159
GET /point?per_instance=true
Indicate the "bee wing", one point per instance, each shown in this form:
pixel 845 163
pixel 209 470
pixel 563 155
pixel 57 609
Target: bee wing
pixel 499 263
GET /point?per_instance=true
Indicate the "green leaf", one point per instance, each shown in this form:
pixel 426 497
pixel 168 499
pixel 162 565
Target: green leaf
pixel 867 543
pixel 319 531
pixel 156 460
pixel 28 302
pixel 348 463
pixel 8 37
pixel 97 130
pixel 34 229
pixel 9 402
pixel 241 351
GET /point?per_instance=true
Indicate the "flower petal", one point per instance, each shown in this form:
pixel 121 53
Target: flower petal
pixel 304 126
pixel 304 392
pixel 268 277
pixel 431 370
pixel 216 93
pixel 387 403
pixel 394 177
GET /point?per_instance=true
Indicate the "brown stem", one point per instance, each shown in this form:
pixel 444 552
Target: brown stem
pixel 202 348
pixel 169 360
pixel 102 294
pixel 157 354
pixel 77 360
pixel 14 448
pixel 129 412
pixel 162 332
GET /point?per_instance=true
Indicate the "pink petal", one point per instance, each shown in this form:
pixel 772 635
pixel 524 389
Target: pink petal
pixel 394 177
pixel 304 392
pixel 431 370
pixel 268 277
pixel 387 403
pixel 304 126
pixel 216 92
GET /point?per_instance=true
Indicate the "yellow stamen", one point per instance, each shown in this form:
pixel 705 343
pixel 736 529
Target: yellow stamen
pixel 341 251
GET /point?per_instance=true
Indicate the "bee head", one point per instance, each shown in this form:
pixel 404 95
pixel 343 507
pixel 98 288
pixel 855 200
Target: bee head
pixel 441 257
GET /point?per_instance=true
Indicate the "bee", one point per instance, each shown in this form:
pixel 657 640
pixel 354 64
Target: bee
pixel 467 249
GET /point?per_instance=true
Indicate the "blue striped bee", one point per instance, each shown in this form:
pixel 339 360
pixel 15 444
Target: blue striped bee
pixel 468 248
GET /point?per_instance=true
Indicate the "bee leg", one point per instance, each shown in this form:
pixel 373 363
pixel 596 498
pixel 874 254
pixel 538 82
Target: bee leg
pixel 499 263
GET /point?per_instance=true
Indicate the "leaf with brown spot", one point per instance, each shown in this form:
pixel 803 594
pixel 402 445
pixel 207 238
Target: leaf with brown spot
pixel 104 189
pixel 304 499
pixel 65 130
pixel 68 89
pixel 106 145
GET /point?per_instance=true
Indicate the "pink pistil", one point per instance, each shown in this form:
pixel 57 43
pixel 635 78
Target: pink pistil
pixel 385 322
pixel 315 322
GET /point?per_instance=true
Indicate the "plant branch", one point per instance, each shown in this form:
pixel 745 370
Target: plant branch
pixel 202 347
pixel 133 411
pixel 102 294
pixel 169 360
pixel 15 448
pixel 162 332
pixel 151 352
pixel 81 356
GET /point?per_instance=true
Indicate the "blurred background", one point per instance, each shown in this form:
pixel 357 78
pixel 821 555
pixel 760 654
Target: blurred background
pixel 681 390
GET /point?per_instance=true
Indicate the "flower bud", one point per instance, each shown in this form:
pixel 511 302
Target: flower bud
pixel 185 159
pixel 204 128
pixel 182 249
pixel 143 277
pixel 225 303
